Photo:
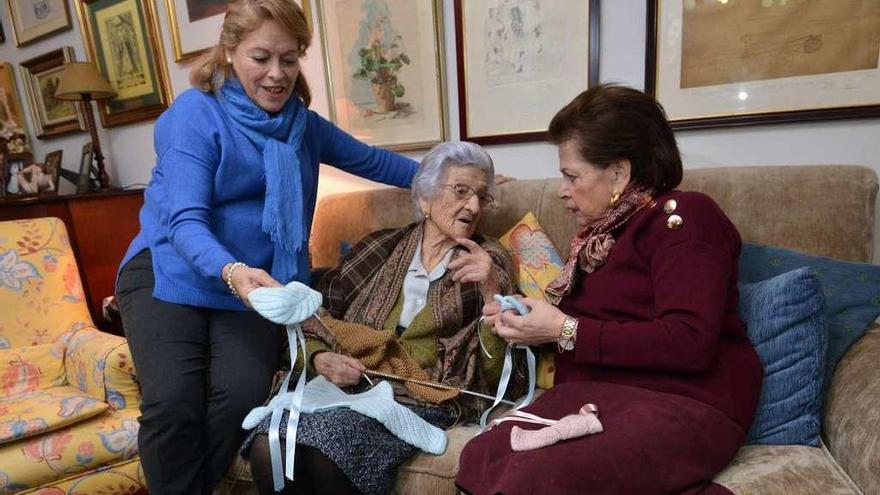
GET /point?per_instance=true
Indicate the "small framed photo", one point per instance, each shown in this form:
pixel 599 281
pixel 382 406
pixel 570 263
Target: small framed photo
pixel 33 20
pixel 52 164
pixel 385 70
pixel 17 166
pixel 41 76
pixel 84 184
pixel 122 38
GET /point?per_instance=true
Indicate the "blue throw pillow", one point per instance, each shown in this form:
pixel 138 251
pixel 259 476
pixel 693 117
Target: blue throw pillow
pixel 852 292
pixel 783 316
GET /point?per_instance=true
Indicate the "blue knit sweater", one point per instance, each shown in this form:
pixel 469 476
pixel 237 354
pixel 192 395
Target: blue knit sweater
pixel 204 204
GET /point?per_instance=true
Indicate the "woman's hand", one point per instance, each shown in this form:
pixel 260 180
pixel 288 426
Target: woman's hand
pixel 245 279
pixel 475 265
pixel 541 325
pixel 341 370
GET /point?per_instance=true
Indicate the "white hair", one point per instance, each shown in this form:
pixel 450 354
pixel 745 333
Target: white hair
pixel 432 171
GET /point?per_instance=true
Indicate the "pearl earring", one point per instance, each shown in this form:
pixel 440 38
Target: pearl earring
pixel 229 60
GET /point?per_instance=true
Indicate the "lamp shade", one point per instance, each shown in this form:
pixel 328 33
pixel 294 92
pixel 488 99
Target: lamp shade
pixel 81 79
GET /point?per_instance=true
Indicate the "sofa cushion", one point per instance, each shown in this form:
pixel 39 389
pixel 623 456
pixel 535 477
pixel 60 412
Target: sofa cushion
pixel 65 453
pixel 537 263
pixel 435 474
pixel 35 413
pixel 30 368
pixel 776 469
pixel 852 292
pixel 784 319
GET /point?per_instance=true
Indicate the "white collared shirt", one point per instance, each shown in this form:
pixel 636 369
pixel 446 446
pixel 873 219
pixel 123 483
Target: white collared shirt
pixel 416 284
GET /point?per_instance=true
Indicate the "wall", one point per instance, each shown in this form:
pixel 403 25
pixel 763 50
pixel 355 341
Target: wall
pixel 130 155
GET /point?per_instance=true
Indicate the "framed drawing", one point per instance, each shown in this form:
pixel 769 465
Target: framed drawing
pixel 384 64
pixel 13 131
pixel 122 38
pixel 33 20
pixel 714 64
pixel 41 75
pixel 519 62
pixel 195 25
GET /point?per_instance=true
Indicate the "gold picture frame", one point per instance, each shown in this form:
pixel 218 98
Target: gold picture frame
pixel 14 136
pixel 195 25
pixel 33 20
pixel 122 39
pixel 41 74
pixel 405 109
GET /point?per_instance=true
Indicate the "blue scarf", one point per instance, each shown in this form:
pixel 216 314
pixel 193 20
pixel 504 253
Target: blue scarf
pixel 278 138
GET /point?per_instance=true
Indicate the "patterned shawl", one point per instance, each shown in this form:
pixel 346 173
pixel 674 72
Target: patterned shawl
pixel 365 286
pixel 591 247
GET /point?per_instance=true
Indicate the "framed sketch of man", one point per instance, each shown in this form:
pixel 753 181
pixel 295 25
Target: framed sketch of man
pixel 33 20
pixel 122 38
pixel 41 74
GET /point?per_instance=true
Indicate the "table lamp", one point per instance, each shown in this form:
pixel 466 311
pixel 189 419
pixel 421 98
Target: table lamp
pixel 81 81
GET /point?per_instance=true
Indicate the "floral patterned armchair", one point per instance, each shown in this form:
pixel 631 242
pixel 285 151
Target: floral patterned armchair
pixel 68 395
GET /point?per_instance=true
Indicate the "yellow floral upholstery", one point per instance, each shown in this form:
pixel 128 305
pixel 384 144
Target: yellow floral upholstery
pixel 537 263
pixel 68 392
pixel 30 368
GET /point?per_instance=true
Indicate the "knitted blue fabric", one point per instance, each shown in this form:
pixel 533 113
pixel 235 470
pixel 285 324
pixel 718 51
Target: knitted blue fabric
pixel 205 202
pixel 279 139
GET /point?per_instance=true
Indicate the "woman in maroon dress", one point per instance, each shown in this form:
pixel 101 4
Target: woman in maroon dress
pixel 644 317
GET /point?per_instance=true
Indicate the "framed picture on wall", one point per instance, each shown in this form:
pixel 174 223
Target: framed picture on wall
pixel 195 25
pixel 33 20
pixel 519 62
pixel 122 38
pixel 385 69
pixel 714 64
pixel 13 131
pixel 41 75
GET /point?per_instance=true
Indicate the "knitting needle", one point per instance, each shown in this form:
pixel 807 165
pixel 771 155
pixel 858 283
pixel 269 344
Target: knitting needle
pixel 433 385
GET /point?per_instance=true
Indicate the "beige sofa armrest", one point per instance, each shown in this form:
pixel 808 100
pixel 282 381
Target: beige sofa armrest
pixel 852 412
pixel 100 365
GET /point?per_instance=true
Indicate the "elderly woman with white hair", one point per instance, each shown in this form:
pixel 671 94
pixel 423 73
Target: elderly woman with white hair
pixel 425 285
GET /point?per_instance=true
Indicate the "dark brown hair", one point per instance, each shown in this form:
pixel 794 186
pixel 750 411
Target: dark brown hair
pixel 610 122
pixel 209 71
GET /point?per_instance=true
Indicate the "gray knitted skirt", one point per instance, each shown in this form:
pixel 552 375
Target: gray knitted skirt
pixel 362 447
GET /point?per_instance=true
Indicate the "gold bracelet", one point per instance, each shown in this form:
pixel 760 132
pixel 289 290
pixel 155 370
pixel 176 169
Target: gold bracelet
pixel 567 335
pixel 232 267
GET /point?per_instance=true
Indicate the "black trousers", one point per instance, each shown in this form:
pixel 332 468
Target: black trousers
pixel 201 371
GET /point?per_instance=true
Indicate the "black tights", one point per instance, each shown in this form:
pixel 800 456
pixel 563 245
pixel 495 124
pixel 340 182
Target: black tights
pixel 314 472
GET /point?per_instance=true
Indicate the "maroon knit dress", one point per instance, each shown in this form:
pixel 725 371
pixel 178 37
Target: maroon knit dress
pixel 663 354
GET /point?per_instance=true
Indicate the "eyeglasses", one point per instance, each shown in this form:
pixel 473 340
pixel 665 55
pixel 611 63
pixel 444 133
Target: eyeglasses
pixel 464 192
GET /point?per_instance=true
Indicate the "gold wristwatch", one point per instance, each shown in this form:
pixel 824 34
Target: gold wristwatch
pixel 567 334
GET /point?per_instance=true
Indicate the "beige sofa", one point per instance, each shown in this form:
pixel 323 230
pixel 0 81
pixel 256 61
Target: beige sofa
pixel 825 210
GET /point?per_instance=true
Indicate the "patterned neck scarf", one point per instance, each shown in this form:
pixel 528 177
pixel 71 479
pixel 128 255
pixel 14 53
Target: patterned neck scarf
pixel 591 247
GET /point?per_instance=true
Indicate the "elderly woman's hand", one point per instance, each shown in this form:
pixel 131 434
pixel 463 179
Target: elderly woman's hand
pixel 341 370
pixel 474 266
pixel 540 326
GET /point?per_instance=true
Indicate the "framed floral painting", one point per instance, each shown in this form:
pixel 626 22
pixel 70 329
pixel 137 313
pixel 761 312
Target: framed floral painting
pixel 122 38
pixel 41 75
pixel 13 130
pixel 34 20
pixel 384 64
pixel 519 62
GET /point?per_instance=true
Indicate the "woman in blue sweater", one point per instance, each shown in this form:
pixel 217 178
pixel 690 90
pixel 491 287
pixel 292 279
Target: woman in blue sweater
pixel 228 209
